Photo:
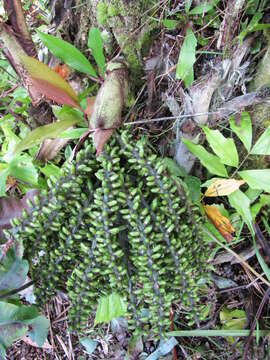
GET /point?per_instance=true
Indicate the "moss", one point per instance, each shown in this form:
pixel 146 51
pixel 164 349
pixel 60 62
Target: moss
pixel 112 10
pixel 102 14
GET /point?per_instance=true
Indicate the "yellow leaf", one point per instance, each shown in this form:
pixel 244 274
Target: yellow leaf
pixel 223 187
pixel 221 223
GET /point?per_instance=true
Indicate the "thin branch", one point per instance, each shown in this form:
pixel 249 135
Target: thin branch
pixel 145 121
pixel 15 291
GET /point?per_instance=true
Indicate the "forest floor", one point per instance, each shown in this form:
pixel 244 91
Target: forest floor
pixel 230 45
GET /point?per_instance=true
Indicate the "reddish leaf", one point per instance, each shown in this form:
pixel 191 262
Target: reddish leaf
pixel 49 83
pixel 90 102
pixel 53 93
pixel 100 138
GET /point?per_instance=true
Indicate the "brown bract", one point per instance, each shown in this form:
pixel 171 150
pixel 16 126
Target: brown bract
pixel 109 104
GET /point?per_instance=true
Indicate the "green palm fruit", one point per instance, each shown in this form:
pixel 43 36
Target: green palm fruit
pixel 116 223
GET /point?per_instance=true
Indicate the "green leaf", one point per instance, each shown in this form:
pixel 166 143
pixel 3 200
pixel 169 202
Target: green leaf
pixel 22 168
pixel 256 208
pixel 224 148
pixel 243 130
pixel 49 83
pixel 232 320
pixel 10 333
pixel 264 266
pixel 257 179
pixel 194 187
pixel 89 344
pixel 188 4
pixel 211 333
pixel 50 131
pixel 164 348
pixel 201 9
pixel 251 26
pixel 241 203
pixel 173 168
pixel 110 307
pixel 10 313
pixel 50 170
pixel 170 23
pixel 13 271
pixel 210 161
pixel 262 146
pixel 186 60
pixel 39 332
pixel 3 179
pixel 95 44
pixel 73 133
pixel 67 53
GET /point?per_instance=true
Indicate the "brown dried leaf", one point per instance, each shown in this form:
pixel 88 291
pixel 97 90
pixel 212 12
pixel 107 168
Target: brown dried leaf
pixel 100 137
pixel 17 23
pixel 221 223
pixel 11 207
pixel 90 101
pixel 222 187
pixel 46 345
pixel 50 148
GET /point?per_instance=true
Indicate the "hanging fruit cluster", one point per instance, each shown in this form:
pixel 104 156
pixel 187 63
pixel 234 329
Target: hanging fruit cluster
pixel 116 223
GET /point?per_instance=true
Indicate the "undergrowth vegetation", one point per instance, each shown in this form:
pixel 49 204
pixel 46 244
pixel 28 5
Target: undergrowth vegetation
pixel 152 229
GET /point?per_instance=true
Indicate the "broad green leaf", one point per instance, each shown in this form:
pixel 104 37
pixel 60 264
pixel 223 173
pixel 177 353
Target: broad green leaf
pixel 164 348
pixel 14 321
pixel 49 83
pixel 186 60
pixel 243 130
pixel 110 307
pixel 73 133
pixel 10 333
pixel 50 131
pixel 257 179
pixel 22 168
pixel 224 148
pixel 210 161
pixel 263 201
pixel 39 332
pixel 13 271
pixel 194 187
pixel 173 168
pixel 10 313
pixel 50 169
pixel 89 344
pixel 241 203
pixel 95 44
pixel 3 179
pixel 170 23
pixel 232 320
pixel 262 146
pixel 201 9
pixel 67 53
